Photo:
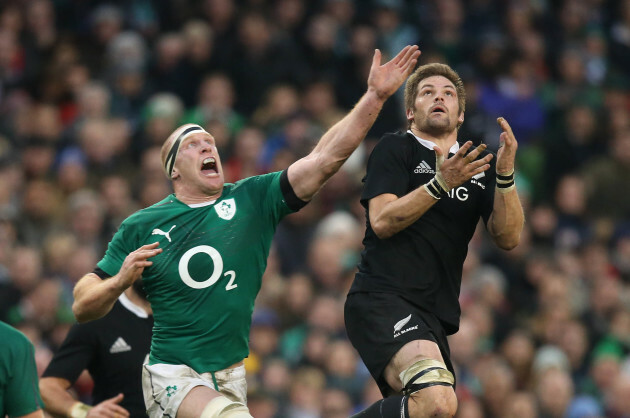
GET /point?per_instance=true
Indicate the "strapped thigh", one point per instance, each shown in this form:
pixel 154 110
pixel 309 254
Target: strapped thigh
pixel 425 373
pixel 222 407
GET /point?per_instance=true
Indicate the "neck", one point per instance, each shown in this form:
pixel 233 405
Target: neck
pixel 138 301
pixel 443 140
pixel 191 197
pixel 191 200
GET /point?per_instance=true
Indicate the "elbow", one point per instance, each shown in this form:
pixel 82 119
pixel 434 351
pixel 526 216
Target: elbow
pixel 382 230
pixel 508 243
pixel 80 312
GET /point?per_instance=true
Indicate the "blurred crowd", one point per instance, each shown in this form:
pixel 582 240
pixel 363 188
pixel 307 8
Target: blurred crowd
pixel 89 90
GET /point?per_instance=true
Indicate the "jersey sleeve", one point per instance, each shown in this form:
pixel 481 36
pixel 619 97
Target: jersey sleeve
pixel 74 354
pixel 386 169
pixel 487 201
pixel 117 250
pixel 22 392
pixel 274 204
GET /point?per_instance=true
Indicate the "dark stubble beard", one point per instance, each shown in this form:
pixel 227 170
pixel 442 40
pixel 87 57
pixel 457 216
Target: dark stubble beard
pixel 433 127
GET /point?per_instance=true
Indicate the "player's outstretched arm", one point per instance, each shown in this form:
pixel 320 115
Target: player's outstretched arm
pixel 94 298
pixel 309 174
pixel 506 221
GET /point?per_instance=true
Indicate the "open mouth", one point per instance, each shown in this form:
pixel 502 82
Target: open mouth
pixel 209 166
pixel 438 109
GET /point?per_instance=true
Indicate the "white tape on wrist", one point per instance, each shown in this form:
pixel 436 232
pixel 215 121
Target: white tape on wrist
pixel 79 410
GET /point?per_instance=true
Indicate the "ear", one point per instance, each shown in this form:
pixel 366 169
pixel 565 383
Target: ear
pixel 409 113
pixel 174 174
pixel 460 119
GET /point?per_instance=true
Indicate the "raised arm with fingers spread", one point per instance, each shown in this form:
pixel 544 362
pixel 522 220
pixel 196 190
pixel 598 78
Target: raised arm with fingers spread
pixel 506 222
pixel 309 174
pixel 94 297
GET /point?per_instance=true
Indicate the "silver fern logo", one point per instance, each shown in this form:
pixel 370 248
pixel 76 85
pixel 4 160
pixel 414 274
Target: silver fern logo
pixel 398 326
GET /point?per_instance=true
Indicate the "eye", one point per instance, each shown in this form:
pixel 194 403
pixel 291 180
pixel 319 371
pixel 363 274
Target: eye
pixel 192 144
pixel 449 93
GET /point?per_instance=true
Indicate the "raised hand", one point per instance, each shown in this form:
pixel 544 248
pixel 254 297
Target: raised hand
pixel 461 167
pixel 507 148
pixel 385 79
pixel 136 262
pixel 109 408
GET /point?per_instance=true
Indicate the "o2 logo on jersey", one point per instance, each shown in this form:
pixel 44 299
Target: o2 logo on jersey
pixel 217 260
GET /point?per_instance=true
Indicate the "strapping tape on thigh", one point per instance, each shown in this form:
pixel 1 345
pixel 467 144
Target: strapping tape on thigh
pixel 221 407
pixel 425 373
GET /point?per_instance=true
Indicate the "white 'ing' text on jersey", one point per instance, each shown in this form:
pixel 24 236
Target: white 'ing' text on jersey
pixel 461 193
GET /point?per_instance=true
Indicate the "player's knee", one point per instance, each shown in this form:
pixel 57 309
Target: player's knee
pixel 222 407
pixel 436 401
pixel 429 385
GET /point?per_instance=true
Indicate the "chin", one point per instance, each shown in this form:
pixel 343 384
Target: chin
pixel 438 129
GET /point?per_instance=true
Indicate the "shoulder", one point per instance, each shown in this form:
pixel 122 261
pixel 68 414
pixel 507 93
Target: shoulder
pixel 395 141
pixel 399 138
pixel 261 180
pixel 156 210
pixel 13 336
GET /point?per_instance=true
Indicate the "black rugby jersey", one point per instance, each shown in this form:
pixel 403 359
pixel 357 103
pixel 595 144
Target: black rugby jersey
pixel 423 262
pixel 112 349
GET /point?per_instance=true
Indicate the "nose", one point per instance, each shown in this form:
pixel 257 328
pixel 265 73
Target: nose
pixel 439 97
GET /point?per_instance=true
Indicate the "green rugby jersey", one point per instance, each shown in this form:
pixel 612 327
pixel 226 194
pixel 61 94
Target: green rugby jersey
pixel 19 392
pixel 203 285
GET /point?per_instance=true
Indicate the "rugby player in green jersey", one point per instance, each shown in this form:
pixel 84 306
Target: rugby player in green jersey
pixel 201 253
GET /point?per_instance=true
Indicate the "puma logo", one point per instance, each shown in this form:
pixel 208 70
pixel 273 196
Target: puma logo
pixel 158 231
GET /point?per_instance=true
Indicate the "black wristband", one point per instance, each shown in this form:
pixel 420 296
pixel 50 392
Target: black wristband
pixel 505 178
pixel 505 182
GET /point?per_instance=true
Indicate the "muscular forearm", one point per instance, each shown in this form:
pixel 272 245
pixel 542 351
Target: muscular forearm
pixel 94 297
pixel 55 396
pixel 400 213
pixel 506 222
pixel 309 174
pixel 333 149
pixel 346 135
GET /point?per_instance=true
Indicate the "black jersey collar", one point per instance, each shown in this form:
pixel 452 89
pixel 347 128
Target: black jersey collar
pixel 430 144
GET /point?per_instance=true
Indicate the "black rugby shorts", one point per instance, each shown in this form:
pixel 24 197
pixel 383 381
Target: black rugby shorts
pixel 380 324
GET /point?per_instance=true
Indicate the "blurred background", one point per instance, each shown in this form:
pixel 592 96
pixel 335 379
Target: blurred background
pixel 89 90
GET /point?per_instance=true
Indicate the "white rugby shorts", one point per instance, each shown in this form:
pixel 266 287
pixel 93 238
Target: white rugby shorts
pixel 166 385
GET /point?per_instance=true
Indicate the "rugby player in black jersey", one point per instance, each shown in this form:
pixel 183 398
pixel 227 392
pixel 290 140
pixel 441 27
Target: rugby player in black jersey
pixel 424 194
pixel 113 350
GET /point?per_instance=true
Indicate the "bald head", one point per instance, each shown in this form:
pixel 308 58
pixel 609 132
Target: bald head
pixel 169 151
